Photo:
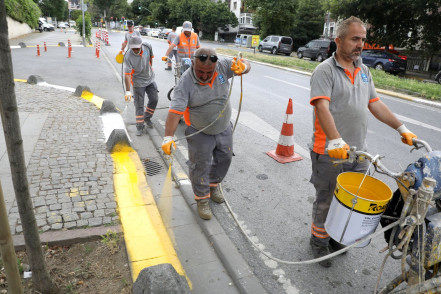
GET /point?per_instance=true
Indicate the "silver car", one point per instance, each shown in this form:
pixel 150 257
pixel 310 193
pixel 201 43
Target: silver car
pixel 276 44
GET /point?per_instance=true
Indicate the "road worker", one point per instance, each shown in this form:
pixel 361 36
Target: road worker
pixel 342 91
pixel 202 97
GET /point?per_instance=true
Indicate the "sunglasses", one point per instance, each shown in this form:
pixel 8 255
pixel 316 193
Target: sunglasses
pixel 204 57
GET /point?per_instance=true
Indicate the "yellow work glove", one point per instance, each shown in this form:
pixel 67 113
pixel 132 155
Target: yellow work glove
pixel 164 58
pixel 238 66
pixel 168 144
pixel 406 135
pixel 338 148
pixel 128 96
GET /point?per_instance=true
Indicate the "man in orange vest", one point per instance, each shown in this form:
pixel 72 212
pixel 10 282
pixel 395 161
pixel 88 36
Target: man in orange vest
pixel 187 42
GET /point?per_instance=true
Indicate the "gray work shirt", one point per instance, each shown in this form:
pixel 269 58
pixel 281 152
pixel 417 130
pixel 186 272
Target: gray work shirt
pixel 348 100
pixel 205 103
pixel 130 34
pixel 139 66
pixel 171 37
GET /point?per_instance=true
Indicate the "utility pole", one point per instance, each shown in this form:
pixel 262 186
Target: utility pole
pixel 84 23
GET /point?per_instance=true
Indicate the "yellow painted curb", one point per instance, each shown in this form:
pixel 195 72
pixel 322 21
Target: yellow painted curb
pixel 142 224
pixel 20 80
pixel 92 98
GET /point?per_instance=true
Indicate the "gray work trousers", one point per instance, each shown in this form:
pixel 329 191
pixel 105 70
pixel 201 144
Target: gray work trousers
pixel 175 54
pixel 209 159
pixel 324 178
pixel 138 100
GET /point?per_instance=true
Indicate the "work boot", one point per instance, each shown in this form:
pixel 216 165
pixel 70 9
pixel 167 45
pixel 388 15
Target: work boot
pixel 320 251
pixel 216 194
pixel 334 246
pixel 204 210
pixel 139 132
pixel 148 122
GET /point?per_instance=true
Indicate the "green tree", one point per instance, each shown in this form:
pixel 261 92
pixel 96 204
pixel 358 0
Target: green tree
pixel 309 22
pixel 404 23
pixel 53 8
pixel 274 17
pixel 111 8
pixel 205 15
pixel 87 23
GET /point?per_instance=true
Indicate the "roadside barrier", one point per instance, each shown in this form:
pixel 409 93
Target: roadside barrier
pixel 38 50
pixel 97 49
pixel 285 148
pixel 107 39
pixel 69 49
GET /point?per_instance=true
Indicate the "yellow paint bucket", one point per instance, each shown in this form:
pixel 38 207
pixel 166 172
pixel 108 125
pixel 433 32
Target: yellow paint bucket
pixel 372 200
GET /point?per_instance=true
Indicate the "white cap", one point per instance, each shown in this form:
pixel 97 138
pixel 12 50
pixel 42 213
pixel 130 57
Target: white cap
pixel 135 42
pixel 187 26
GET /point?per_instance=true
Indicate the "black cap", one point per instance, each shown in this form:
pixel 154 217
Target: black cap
pixel 130 23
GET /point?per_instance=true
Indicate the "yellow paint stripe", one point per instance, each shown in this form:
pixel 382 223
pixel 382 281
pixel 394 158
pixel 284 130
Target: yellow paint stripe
pixel 92 98
pixel 20 80
pixel 147 240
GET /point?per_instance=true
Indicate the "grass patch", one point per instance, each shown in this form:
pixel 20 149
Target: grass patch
pixel 382 79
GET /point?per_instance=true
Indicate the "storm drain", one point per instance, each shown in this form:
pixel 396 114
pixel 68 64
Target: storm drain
pixel 152 167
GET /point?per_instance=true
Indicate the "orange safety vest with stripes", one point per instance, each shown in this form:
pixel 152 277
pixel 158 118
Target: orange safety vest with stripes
pixel 187 46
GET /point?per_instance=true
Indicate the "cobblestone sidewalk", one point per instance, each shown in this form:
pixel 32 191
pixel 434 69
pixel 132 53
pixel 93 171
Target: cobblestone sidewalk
pixel 70 172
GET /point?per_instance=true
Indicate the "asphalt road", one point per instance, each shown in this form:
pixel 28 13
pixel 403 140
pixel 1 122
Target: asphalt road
pixel 272 200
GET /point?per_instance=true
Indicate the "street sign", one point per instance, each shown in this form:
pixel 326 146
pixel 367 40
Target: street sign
pixel 84 7
pixel 255 40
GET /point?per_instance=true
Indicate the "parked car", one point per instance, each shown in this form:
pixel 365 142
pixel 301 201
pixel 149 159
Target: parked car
pixel 438 77
pixel 164 33
pixel 145 31
pixel 154 33
pixel 382 60
pixel 276 44
pixel 319 49
pixel 45 25
pixel 62 25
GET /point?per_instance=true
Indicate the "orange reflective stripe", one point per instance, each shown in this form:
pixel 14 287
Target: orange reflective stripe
pixel 187 116
pixel 323 230
pixel 312 101
pixel 319 137
pixel 201 197
pixel 175 111
pixel 374 99
pixel 321 236
pixel 149 110
pixel 211 82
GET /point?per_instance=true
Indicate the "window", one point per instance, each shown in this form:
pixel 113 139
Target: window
pixel 234 5
pixel 274 39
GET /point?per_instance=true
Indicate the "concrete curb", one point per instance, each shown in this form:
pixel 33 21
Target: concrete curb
pixel 150 247
pixel 237 267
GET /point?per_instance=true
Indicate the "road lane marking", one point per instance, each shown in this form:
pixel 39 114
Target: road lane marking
pixel 295 85
pixel 416 122
pixel 260 126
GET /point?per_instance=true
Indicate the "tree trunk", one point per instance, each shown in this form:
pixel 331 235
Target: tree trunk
pixel 7 250
pixel 14 144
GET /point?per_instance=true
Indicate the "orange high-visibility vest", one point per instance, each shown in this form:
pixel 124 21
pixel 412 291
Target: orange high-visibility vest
pixel 187 47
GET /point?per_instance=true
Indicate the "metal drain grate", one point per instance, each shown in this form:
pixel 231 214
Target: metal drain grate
pixel 152 167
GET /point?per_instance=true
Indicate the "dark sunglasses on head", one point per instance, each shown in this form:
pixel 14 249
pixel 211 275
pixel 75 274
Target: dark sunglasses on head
pixel 204 57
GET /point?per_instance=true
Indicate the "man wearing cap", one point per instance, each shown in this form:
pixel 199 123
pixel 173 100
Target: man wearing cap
pixel 139 73
pixel 202 97
pixel 130 33
pixel 187 42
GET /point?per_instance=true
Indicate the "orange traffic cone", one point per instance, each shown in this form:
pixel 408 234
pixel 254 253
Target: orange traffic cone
pixel 38 50
pixel 285 148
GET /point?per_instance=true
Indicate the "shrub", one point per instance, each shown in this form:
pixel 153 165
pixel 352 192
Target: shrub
pixel 24 11
pixel 88 24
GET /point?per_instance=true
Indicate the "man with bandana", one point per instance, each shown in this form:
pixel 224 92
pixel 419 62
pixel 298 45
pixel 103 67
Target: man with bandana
pixel 201 95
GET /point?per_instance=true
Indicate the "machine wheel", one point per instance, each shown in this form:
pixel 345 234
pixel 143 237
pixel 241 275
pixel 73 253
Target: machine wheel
pixel 274 51
pixel 169 93
pixel 260 48
pixel 45 29
pixel 379 66
pixel 319 58
pixel 299 55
